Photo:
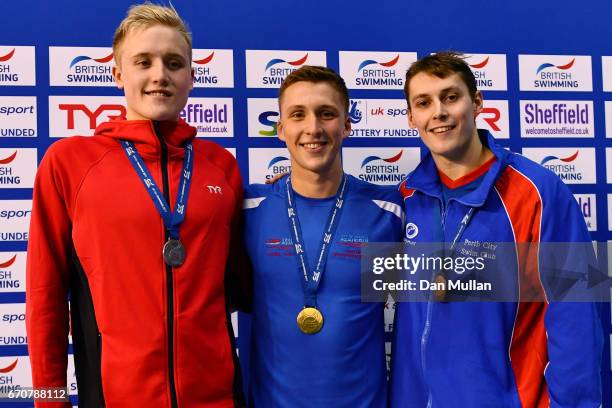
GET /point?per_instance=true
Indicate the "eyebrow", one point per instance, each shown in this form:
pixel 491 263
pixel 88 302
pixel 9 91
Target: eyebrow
pixel 147 54
pixel 443 91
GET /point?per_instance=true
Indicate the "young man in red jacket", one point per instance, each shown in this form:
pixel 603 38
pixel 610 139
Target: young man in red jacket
pixel 135 225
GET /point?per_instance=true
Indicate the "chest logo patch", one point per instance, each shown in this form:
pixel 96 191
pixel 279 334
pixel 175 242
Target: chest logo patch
pixel 411 230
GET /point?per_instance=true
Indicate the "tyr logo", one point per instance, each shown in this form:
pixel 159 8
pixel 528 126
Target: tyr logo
pixel 214 189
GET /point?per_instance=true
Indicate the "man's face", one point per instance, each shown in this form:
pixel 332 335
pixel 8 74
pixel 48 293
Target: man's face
pixel 154 70
pixel 444 113
pixel 313 123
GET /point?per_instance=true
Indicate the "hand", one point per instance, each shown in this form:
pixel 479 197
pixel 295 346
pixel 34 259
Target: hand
pixel 276 178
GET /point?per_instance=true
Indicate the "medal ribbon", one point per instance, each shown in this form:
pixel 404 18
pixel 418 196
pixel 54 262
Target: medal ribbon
pixel 172 221
pixel 310 283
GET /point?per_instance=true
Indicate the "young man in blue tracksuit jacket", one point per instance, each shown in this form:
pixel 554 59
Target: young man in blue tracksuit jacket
pixel 488 354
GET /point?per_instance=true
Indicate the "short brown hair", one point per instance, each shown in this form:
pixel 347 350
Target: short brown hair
pixel 146 15
pixel 311 73
pixel 442 65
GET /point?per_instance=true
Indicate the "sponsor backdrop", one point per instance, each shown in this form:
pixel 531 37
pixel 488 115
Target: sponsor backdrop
pixel 547 84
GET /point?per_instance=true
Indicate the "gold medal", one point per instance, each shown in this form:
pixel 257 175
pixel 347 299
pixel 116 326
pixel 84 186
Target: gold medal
pixel 440 294
pixel 310 320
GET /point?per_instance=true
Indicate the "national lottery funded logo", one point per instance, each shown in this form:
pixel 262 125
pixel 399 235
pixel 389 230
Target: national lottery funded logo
pixel 268 68
pixel 15 219
pixel 80 115
pixel 489 71
pixel 17 167
pixel 265 163
pixel 375 69
pixel 12 272
pixel 555 73
pixel 379 118
pixel 588 207
pixel 262 117
pixel 18 116
pixel 213 117
pixel 573 165
pixel 494 118
pixel 213 68
pixel 17 65
pixel 81 66
pixel 381 165
pixel 557 119
pixel 12 324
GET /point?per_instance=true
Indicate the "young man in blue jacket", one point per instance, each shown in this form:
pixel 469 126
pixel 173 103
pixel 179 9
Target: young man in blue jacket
pixel 532 351
pixel 313 342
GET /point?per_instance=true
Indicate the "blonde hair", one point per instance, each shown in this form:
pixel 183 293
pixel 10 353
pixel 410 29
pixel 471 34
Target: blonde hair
pixel 146 15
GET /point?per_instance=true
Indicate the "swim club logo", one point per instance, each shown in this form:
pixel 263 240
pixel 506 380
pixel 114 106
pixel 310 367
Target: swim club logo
pixel 15 219
pixel 555 73
pixel 572 165
pixel 375 70
pixel 12 324
pixel 379 118
pixel 80 115
pixel 265 163
pixel 81 66
pixel 606 68
pixel 587 204
pixel 18 116
pixel 268 69
pixel 494 118
pixel 557 119
pixel 213 117
pixel 489 71
pixel 213 68
pixel 12 272
pixel 262 117
pixel 411 230
pixel 17 168
pixel 382 165
pixel 17 65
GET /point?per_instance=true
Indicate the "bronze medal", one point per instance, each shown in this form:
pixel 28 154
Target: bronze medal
pixel 310 320
pixel 440 294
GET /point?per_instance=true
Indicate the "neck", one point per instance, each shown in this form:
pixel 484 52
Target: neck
pixel 316 185
pixel 474 156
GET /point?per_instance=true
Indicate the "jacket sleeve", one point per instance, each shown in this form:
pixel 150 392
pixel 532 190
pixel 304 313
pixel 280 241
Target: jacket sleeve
pixel 47 279
pixel 573 328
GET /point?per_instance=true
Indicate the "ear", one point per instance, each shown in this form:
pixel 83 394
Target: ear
pixel 411 124
pixel 280 130
pixel 347 127
pixel 118 76
pixel 477 103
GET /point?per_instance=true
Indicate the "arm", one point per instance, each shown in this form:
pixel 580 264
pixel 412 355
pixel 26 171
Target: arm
pixel 47 277
pixel 574 332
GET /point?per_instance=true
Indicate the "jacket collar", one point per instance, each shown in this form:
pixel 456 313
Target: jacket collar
pixel 426 180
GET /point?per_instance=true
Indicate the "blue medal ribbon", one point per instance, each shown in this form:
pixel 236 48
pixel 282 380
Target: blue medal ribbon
pixel 172 221
pixel 310 282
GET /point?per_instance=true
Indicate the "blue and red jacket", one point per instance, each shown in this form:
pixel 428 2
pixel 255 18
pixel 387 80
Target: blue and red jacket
pixel 510 354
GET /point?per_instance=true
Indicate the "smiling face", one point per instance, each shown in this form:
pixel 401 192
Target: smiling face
pixel 313 123
pixel 444 112
pixel 154 70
